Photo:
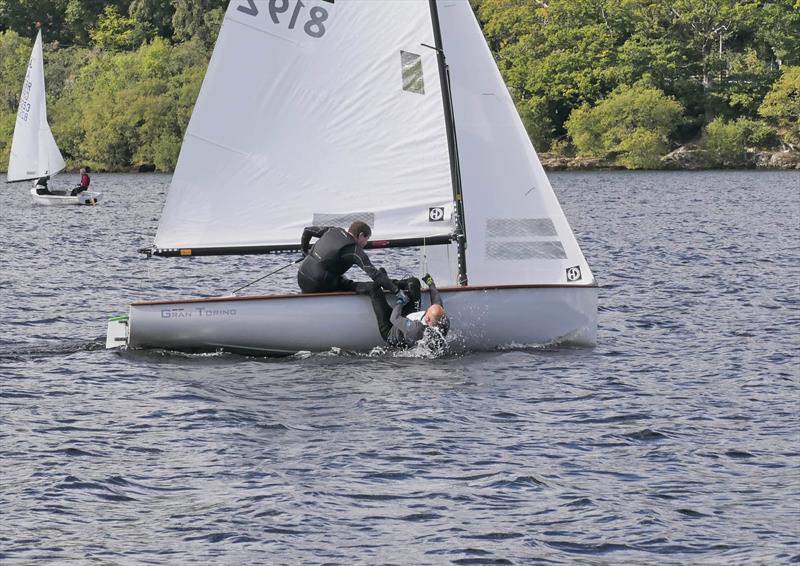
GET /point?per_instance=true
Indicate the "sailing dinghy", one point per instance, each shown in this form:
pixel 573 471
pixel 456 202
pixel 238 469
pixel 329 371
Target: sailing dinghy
pixel 34 153
pixel 388 111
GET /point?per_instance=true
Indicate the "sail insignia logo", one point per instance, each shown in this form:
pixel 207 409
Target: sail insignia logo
pixel 574 273
pixel 436 214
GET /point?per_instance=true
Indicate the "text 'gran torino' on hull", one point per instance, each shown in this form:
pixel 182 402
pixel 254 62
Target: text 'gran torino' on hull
pixel 388 111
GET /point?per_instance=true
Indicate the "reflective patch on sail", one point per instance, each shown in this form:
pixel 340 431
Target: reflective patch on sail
pixel 411 65
pixel 515 249
pixel 520 227
pixel 343 220
pixel 522 239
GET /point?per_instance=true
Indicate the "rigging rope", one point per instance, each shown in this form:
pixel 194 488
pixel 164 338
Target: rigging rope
pixel 267 275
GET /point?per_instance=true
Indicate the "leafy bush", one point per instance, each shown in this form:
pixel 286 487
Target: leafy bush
pixel 632 126
pixel 758 134
pixel 782 106
pixel 724 143
pixel 7 122
pixel 14 54
pixel 115 32
pixel 640 149
pixel 562 148
pixel 131 108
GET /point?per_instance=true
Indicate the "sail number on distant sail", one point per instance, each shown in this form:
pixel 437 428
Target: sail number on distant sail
pixel 24 105
pixel 314 25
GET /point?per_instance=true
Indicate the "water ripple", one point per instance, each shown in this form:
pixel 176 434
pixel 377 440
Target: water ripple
pixel 675 441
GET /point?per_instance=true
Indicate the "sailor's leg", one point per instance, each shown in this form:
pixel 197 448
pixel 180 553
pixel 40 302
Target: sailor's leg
pixel 382 309
pixel 306 284
pixel 344 284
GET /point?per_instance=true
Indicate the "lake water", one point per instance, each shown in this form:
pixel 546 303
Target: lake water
pixel 676 440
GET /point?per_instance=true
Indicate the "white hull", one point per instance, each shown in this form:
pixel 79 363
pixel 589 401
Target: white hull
pixel 482 319
pixel 86 197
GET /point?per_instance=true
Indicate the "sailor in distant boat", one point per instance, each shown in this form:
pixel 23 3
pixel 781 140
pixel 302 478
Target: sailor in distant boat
pixel 336 251
pixel 84 184
pixel 404 327
pixel 41 186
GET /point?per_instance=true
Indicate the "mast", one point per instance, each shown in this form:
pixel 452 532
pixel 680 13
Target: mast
pixel 452 144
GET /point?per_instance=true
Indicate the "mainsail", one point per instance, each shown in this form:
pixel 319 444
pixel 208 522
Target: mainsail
pixel 515 229
pixel 313 112
pixel 34 152
pixel 323 112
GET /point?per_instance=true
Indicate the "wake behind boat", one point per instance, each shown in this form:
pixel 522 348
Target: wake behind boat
pixel 34 152
pixel 346 119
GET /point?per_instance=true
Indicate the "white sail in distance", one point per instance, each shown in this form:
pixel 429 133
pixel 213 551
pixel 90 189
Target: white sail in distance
pixel 34 152
pixel 516 230
pixel 314 112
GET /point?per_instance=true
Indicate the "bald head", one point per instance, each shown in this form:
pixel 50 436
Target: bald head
pixel 433 315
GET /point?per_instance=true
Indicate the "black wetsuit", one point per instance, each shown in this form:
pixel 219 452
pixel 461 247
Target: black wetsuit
pixel 334 253
pixel 395 328
pixel 41 186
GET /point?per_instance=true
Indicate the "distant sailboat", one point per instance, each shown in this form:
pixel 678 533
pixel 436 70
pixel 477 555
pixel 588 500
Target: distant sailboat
pixel 34 153
pixel 351 112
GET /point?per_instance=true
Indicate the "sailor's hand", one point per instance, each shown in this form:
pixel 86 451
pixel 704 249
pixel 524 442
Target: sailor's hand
pixel 402 298
pixel 427 279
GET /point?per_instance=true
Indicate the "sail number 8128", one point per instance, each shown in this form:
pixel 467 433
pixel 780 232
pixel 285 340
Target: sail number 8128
pixel 313 21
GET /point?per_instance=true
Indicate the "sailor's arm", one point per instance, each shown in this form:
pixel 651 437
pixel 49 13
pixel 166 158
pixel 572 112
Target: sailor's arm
pixel 436 298
pixel 311 232
pixel 377 275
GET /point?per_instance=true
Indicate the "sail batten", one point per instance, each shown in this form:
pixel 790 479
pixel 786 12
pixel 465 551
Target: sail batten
pixel 343 112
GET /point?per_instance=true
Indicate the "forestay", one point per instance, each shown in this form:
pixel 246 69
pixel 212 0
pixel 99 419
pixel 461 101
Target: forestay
pixel 34 152
pixel 314 112
pixel 516 230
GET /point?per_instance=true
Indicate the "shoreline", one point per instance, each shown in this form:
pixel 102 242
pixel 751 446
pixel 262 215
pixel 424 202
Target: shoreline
pixel 685 158
pixel 681 159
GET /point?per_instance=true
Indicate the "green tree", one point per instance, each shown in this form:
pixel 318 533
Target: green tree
pixel 198 19
pixel 81 16
pixel 22 16
pixel 131 108
pixel 115 32
pixel 777 29
pixel 14 54
pixel 746 83
pixel 61 66
pixel 157 13
pixel 554 56
pixel 7 123
pixel 631 126
pixel 781 106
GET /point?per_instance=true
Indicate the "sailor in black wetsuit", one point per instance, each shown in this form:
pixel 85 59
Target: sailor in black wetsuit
pixel 336 251
pixel 41 186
